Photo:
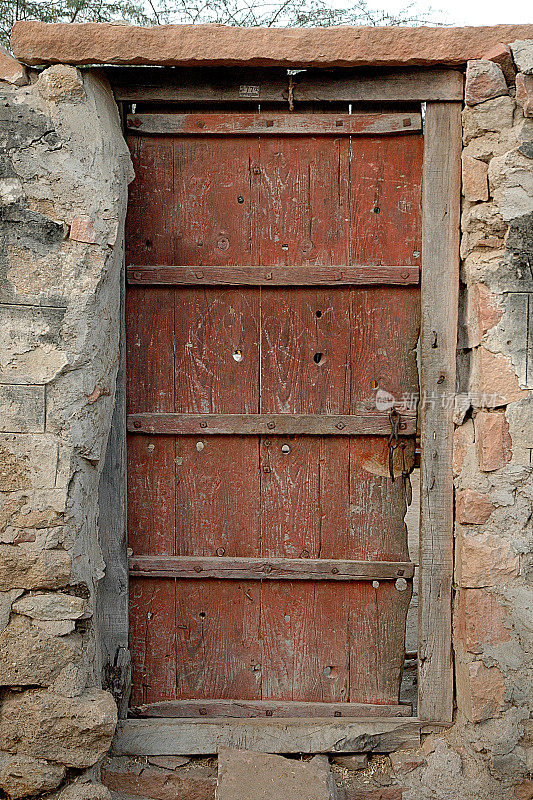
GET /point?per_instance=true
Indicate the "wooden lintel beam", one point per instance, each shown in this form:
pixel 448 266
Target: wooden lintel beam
pixel 273 276
pixel 269 124
pixel 147 737
pixel 239 568
pixel 187 709
pixel 369 423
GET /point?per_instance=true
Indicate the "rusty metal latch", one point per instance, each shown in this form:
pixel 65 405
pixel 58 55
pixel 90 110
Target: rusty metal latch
pixel 394 419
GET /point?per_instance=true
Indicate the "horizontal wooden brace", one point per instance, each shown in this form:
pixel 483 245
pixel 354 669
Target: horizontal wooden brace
pixel 178 85
pixel 268 124
pixel 238 568
pixel 272 276
pixel 166 737
pixel 279 709
pixel 371 423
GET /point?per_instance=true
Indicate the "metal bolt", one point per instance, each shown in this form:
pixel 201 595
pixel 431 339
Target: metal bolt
pixel 267 568
pixel 375 584
pixel 269 276
pixel 271 425
pixel 334 571
pixel 285 448
pixel 221 551
pixel 340 425
pixel 136 121
pixel 203 424
pixel 402 425
pixel 304 554
pixel 199 274
pixel 268 712
pixel 203 712
pixel 266 469
pixel 198 568
pixel 407 122
pixel 337 713
pixel 137 276
pixel 137 424
pixel 405 275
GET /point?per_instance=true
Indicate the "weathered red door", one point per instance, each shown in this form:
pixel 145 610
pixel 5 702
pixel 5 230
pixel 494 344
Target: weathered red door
pixel 265 530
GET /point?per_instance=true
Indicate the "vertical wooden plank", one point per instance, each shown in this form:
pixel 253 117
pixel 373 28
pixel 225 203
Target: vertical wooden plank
pixel 112 598
pixel 385 199
pixel 303 208
pixel 440 280
pixel 150 385
pixel 216 197
pixel 218 639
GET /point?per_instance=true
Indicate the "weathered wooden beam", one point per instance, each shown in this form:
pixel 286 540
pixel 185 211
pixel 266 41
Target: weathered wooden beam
pixel 269 124
pixel 150 737
pixel 272 276
pixel 439 289
pixel 371 423
pixel 240 568
pixel 175 85
pixel 279 709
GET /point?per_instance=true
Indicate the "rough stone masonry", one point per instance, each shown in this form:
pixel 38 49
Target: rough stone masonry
pixel 64 172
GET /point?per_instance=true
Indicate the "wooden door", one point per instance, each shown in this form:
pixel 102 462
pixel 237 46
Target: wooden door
pixel 273 268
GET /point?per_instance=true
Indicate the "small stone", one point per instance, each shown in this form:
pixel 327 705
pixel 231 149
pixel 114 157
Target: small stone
pixel 522 51
pixel 75 731
pixel 475 182
pixel 20 569
pixel 492 440
pixel 494 381
pixel 479 620
pixel 6 602
pixel 243 775
pixel 56 627
pixel 197 781
pixel 524 790
pixel 484 560
pixel 82 230
pixel 61 83
pixel 484 81
pixel 404 761
pixel 472 508
pixel 21 776
pixel 11 71
pixel 168 762
pixel 480 690
pixel 502 56
pixel 84 791
pixel 495 116
pixel 524 93
pixel 352 761
pixel 56 606
pixel 30 656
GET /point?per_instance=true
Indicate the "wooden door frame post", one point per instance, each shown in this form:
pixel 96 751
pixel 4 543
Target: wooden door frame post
pixel 441 206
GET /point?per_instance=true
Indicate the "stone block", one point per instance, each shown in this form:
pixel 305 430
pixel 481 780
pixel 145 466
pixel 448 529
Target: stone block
pixel 6 602
pixel 404 761
pixel 51 606
pixel 30 346
pixel 484 560
pixel 29 656
pixel 243 775
pixel 492 116
pixel 472 508
pixel 82 230
pixel 484 81
pixel 480 690
pixel 494 381
pixel 463 442
pixel 48 569
pixel 352 761
pixel 74 731
pixel 524 93
pixel 522 51
pixel 475 182
pixel 82 790
pixel 480 620
pixel 483 312
pixel 61 83
pixel 21 776
pixel 493 441
pixel 11 71
pixel 195 782
pixel 21 409
pixel 502 56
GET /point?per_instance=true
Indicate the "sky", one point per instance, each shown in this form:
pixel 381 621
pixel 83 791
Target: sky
pixel 470 12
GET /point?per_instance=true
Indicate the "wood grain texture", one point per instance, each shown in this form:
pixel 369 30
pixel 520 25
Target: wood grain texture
pixel 356 424
pixel 272 276
pixel 145 84
pixel 147 737
pixel 440 283
pixel 269 124
pixel 267 569
pixel 266 708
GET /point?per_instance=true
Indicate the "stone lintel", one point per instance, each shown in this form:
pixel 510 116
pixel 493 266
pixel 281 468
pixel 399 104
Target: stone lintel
pixel 39 43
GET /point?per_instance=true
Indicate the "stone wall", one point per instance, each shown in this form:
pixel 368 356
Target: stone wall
pixel 63 188
pixel 64 171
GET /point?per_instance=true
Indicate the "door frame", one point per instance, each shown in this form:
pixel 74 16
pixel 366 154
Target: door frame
pixel 442 92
